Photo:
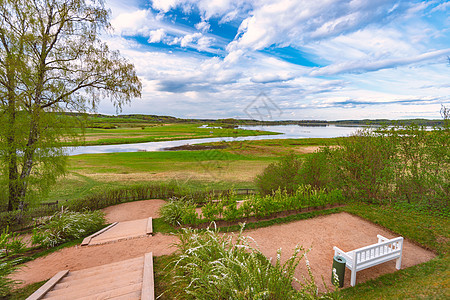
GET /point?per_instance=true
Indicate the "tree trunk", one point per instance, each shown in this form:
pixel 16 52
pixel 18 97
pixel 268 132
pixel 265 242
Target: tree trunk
pixel 11 140
pixel 28 160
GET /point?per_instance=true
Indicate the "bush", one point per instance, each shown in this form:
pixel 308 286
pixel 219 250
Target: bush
pixel 318 169
pixel 283 174
pixel 178 211
pixel 7 284
pixel 136 193
pixel 216 266
pixel 66 226
pixel 11 243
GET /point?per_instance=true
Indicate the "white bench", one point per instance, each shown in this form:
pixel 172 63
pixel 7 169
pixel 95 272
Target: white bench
pixel 369 256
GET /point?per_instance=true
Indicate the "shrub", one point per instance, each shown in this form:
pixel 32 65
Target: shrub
pixel 215 266
pixel 283 174
pixel 18 220
pixel 67 225
pixel 11 243
pixel 135 193
pixel 318 169
pixel 212 210
pixel 178 211
pixel 7 284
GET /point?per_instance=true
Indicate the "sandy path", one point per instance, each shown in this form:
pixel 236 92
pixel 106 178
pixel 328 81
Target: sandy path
pixel 133 210
pixel 343 230
pixel 322 233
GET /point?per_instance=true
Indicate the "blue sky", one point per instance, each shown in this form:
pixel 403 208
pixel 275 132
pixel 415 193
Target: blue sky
pixel 321 59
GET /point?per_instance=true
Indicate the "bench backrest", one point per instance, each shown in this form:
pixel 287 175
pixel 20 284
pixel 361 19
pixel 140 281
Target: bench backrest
pixel 392 247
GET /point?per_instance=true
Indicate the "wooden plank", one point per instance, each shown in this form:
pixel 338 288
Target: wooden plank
pixel 94 274
pixel 148 283
pixel 150 226
pixel 47 286
pixel 99 241
pixel 104 284
pixel 107 267
pixel 130 296
pixel 88 239
pixel 111 294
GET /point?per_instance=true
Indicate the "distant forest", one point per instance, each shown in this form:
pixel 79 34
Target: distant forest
pixel 141 118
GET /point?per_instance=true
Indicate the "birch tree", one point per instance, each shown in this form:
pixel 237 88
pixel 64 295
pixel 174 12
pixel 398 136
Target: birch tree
pixel 51 60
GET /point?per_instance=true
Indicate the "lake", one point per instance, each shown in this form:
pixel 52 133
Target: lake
pixel 286 132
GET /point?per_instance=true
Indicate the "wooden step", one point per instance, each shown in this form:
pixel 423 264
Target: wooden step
pixel 129 279
pixel 117 268
pixel 111 266
pixel 96 277
pixel 109 281
pixel 110 294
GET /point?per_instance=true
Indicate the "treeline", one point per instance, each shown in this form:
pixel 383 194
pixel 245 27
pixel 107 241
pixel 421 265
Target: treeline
pixel 141 118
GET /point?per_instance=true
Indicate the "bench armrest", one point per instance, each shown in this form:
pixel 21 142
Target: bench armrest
pixel 381 238
pixel 338 251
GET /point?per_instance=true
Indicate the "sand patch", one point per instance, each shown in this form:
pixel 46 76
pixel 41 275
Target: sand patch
pixel 133 210
pixel 343 230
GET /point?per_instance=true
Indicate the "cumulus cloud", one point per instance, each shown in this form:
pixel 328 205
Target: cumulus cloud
pixel 156 36
pixel 202 26
pixel 347 39
pixel 289 22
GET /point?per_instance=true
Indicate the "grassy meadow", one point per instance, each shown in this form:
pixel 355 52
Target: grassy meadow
pixel 127 133
pixel 236 165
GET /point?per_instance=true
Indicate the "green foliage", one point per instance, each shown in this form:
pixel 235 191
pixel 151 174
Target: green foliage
pixel 52 61
pixel 11 243
pixel 67 225
pixel 6 284
pixel 226 207
pixel 318 169
pixel 137 192
pixel 18 220
pixel 10 246
pixel 283 174
pixel 178 211
pixel 215 266
pixel 390 164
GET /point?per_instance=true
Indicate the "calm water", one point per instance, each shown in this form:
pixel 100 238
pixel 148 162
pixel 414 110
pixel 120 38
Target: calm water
pixel 286 132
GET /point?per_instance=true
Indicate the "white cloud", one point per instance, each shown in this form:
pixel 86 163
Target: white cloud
pixel 348 38
pixel 369 66
pixel 156 36
pixel 130 23
pixel 202 26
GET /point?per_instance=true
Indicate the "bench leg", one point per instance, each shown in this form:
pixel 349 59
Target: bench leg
pixel 398 263
pixel 353 278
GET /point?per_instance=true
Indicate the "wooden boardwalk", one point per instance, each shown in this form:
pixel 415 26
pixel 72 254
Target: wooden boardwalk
pixel 129 279
pixel 120 231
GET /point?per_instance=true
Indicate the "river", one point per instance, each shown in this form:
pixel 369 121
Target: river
pixel 286 132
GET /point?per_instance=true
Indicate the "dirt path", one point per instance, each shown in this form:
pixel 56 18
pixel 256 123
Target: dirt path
pixel 343 230
pixel 133 210
pixel 322 233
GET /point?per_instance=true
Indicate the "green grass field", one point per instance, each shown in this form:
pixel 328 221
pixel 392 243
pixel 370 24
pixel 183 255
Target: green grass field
pixel 140 133
pixel 237 166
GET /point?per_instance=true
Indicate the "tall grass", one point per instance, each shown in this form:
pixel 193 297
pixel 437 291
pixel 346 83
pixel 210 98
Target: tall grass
pixel 215 266
pixel 66 226
pixel 137 192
